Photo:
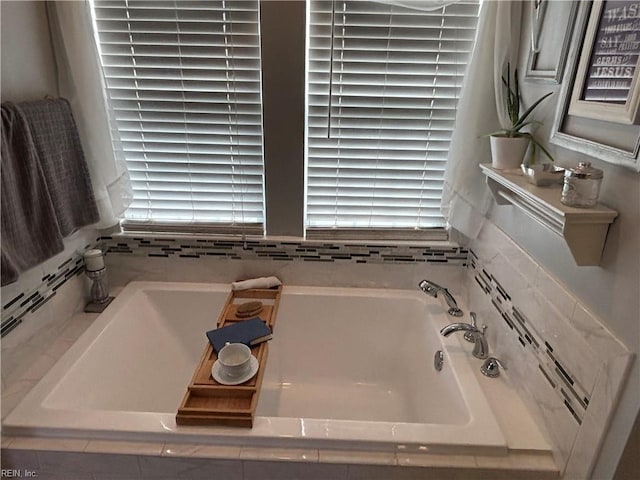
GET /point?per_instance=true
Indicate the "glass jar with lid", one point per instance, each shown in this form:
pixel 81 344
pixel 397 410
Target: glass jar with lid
pixel 581 186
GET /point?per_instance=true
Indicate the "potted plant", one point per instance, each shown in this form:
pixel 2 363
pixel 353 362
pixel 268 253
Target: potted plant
pixel 509 145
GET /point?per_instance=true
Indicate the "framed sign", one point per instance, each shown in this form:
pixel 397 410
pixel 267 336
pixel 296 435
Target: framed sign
pixel 607 140
pixel 607 85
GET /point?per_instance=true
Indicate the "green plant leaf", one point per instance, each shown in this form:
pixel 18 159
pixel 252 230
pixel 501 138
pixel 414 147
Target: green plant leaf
pixel 531 108
pixel 539 145
pixel 518 122
pixel 520 126
pixel 515 78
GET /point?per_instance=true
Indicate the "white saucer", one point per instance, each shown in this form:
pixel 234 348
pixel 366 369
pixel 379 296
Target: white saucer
pixel 224 379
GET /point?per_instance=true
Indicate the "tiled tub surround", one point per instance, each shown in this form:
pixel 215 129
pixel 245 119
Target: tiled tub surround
pixel 15 305
pixel 561 359
pixel 348 368
pixel 87 458
pixel 543 311
pixel 35 348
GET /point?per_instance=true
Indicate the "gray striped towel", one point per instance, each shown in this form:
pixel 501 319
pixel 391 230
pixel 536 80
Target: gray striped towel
pixel 58 147
pixel 30 232
pixel 46 187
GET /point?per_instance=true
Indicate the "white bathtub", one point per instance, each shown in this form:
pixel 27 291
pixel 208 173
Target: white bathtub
pixel 347 368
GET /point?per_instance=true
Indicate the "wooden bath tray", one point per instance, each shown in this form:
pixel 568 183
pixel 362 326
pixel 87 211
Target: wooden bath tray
pixel 208 402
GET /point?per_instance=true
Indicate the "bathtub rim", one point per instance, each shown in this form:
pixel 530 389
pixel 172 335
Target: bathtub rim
pixel 267 431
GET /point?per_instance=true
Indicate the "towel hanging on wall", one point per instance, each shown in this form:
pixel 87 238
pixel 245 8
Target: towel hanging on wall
pixel 46 188
pixel 58 147
pixel 30 232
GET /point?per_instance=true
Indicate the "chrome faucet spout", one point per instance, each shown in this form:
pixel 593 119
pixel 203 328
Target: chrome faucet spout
pixel 456 327
pixel 433 289
pixel 480 348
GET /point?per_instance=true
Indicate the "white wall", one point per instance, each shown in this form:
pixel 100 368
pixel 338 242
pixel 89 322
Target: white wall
pixel 28 70
pixel 611 290
pixel 28 73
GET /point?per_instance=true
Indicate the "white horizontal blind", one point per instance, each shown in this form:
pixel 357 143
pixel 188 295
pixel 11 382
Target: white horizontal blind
pixel 381 114
pixel 184 81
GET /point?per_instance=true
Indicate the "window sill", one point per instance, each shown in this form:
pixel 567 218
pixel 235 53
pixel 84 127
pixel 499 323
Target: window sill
pixel 395 237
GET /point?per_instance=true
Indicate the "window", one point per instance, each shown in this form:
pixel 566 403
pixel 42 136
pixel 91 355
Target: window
pixel 183 78
pixel 184 83
pixel 383 83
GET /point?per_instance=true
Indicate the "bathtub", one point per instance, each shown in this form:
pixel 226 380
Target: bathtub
pixel 347 368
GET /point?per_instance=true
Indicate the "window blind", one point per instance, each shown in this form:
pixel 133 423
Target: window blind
pixel 383 83
pixel 183 78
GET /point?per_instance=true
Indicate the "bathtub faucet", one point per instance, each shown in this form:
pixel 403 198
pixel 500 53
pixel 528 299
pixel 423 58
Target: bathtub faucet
pixel 434 289
pixel 480 349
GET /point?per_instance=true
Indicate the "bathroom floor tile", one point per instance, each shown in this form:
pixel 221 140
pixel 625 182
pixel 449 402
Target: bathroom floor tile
pixel 190 468
pixel 20 459
pixel 380 472
pixel 76 464
pixel 491 474
pixel 257 470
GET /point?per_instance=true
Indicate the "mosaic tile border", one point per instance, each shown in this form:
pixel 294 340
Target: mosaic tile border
pixel 14 310
pixel 308 251
pixel 563 382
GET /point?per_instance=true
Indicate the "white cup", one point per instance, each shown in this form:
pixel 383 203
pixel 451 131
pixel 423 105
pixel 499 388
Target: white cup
pixel 235 359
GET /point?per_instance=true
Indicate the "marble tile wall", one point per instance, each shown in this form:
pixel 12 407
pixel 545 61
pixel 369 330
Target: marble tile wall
pixel 294 262
pixel 564 362
pixel 27 296
pixel 42 336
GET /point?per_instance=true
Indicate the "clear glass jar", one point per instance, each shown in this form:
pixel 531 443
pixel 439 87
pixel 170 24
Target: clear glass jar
pixel 581 186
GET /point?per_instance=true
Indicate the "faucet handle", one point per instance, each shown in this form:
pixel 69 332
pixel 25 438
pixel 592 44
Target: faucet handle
pixel 480 348
pixel 468 336
pixel 491 367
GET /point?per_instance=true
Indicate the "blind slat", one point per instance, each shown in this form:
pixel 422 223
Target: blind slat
pixel 184 82
pixel 382 94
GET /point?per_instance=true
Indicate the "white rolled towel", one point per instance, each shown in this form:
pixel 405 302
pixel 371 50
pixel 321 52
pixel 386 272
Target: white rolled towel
pixel 261 282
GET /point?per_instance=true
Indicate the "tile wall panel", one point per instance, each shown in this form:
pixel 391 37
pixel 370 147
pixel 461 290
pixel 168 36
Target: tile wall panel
pixel 285 251
pixel 565 363
pixel 17 306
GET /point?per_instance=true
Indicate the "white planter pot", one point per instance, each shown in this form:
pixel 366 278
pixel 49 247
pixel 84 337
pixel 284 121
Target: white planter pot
pixel 506 152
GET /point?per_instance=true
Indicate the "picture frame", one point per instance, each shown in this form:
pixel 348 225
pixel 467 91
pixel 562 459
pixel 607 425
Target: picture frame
pixel 546 61
pixel 614 143
pixel 607 84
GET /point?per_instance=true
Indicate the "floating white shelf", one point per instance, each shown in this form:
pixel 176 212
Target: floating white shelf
pixel 583 229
